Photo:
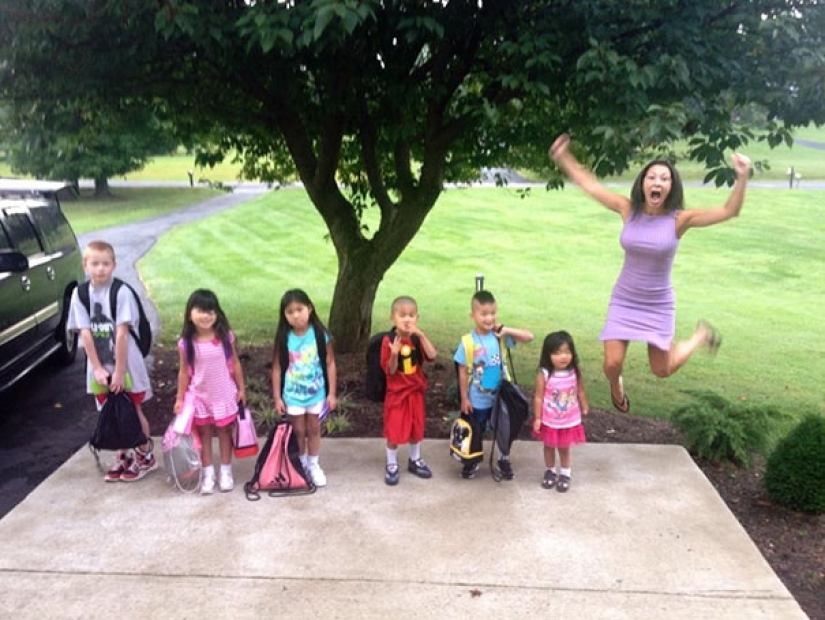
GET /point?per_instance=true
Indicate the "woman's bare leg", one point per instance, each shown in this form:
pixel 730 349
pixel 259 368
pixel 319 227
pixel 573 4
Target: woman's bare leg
pixel 665 363
pixel 614 355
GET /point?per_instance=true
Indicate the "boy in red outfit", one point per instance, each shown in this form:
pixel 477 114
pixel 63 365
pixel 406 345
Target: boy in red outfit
pixel 403 352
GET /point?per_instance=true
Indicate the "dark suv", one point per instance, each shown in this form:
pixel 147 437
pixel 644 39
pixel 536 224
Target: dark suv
pixel 40 265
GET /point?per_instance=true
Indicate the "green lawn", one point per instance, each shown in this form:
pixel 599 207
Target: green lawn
pixel 551 260
pixel 128 205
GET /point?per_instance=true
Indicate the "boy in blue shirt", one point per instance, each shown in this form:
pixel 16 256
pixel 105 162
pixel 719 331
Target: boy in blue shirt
pixel 479 377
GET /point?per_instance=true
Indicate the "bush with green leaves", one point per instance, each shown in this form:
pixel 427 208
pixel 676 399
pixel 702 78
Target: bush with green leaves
pixel 718 429
pixel 795 471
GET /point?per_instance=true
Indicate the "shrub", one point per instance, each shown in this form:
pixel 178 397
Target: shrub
pixel 718 429
pixel 795 471
pixel 337 422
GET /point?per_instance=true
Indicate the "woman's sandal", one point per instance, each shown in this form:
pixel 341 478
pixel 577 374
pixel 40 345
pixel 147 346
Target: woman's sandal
pixel 549 479
pixel 563 484
pixel 622 406
pixel 713 338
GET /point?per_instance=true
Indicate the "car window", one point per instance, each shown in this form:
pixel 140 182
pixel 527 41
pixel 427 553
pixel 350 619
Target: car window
pixel 5 242
pixel 55 228
pixel 22 233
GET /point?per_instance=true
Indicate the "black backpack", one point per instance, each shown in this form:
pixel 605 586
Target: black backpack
pixel 376 384
pixel 118 426
pixel 143 337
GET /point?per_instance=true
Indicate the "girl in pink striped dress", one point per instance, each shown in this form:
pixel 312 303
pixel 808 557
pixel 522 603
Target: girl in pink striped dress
pixel 558 406
pixel 210 383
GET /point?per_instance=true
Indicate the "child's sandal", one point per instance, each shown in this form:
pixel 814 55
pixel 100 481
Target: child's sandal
pixel 563 484
pixel 549 479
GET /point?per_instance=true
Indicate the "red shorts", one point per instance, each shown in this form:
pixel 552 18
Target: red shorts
pixel 404 417
pixel 135 397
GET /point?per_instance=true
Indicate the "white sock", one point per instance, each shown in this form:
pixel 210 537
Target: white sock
pixel 226 469
pixel 565 471
pixel 208 472
pixel 303 458
pixel 312 461
pixel 392 456
pixel 415 451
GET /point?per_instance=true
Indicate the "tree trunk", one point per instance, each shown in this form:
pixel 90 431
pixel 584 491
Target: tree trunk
pixel 361 267
pixel 102 188
pixel 350 318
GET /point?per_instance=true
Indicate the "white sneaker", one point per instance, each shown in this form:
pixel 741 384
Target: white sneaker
pixel 319 479
pixel 226 482
pixel 208 485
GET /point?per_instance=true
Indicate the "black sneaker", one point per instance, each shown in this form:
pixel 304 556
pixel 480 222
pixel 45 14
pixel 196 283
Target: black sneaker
pixel 392 475
pixel 469 471
pixel 506 469
pixel 419 468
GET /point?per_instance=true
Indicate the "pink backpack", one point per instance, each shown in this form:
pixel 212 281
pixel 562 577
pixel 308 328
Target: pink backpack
pixel 278 469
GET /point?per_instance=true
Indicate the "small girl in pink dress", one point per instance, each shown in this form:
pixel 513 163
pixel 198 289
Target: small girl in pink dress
pixel 559 404
pixel 210 383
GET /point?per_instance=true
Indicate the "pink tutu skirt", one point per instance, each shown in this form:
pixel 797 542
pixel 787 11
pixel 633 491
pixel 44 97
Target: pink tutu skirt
pixel 561 437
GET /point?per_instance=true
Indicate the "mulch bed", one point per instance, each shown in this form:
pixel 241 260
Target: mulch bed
pixel 793 543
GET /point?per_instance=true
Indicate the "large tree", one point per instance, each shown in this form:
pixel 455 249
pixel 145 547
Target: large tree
pixel 378 103
pixel 77 139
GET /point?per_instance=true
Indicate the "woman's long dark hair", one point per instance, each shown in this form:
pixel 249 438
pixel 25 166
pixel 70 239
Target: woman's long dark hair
pixel 675 199
pixel 208 301
pixel 552 343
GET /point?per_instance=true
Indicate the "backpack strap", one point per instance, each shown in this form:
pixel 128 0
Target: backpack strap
pixel 467 343
pixel 113 291
pixel 83 296
pixel 321 345
pixel 506 360
pixel 227 351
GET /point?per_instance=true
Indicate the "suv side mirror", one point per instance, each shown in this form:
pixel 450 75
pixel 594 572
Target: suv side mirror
pixel 13 261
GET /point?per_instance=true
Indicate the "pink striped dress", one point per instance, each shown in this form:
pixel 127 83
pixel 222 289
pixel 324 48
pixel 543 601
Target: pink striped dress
pixel 212 390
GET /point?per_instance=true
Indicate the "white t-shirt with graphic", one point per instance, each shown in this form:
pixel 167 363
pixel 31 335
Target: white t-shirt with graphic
pixel 99 322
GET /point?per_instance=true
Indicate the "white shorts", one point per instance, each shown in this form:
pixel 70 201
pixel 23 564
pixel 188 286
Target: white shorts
pixel 315 409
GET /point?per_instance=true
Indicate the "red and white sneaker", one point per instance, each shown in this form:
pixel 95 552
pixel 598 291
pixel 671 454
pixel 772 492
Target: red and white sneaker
pixel 121 464
pixel 142 464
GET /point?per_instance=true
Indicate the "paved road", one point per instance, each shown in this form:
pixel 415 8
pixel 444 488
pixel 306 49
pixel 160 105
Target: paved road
pixel 47 417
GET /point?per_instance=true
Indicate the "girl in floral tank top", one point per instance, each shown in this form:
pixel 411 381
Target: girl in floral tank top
pixel 559 404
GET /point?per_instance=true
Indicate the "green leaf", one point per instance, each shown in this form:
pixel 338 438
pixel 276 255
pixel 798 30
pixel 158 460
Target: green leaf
pixel 322 20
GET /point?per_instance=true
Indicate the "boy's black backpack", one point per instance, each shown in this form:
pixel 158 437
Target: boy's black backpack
pixel 376 384
pixel 118 426
pixel 144 335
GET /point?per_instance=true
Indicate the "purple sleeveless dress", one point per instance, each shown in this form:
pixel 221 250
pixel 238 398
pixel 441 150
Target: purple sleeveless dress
pixel 642 306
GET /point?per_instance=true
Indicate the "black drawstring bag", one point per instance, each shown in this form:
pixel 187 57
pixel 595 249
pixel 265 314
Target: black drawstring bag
pixel 118 425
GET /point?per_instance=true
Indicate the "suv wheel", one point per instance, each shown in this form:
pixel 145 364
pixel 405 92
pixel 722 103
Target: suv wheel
pixel 67 338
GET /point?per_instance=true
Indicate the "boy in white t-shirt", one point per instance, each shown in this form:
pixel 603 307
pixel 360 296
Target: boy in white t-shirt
pixel 114 361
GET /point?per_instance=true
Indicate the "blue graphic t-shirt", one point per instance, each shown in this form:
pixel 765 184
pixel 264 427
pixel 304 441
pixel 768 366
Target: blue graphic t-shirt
pixel 485 369
pixel 304 378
